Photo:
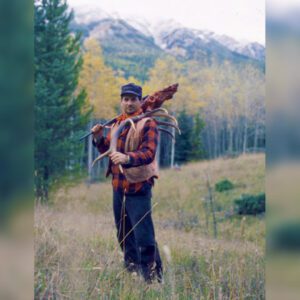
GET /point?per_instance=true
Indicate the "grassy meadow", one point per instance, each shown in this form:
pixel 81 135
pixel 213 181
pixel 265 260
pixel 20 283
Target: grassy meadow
pixel 77 255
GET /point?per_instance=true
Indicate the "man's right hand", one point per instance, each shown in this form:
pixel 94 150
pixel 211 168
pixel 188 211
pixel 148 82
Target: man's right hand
pixel 97 131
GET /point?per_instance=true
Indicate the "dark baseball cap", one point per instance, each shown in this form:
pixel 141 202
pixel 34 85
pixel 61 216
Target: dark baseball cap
pixel 131 89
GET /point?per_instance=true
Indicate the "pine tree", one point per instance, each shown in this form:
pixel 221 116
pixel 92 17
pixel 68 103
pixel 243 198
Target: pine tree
pixel 197 145
pixel 60 111
pixel 183 146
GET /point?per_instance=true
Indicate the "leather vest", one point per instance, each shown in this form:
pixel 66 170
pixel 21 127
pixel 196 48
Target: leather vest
pixel 133 140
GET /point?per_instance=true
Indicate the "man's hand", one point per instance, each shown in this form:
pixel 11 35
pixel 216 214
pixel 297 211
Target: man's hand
pixel 119 158
pixel 97 131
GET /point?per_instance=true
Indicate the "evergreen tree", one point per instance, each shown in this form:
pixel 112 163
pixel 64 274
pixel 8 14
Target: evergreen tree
pixel 60 111
pixel 183 145
pixel 197 146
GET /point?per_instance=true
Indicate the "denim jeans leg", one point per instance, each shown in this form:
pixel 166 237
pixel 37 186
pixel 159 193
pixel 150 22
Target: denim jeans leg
pixel 138 207
pixel 126 241
pixel 158 264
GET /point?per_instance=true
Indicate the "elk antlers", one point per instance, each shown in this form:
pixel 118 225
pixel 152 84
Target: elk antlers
pixel 157 99
pixel 158 112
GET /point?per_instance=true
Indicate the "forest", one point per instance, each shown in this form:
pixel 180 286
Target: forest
pixel 208 204
pixel 219 106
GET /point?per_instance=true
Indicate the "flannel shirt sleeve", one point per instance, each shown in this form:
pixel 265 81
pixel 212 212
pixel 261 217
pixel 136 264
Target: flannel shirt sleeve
pixel 102 143
pixel 145 153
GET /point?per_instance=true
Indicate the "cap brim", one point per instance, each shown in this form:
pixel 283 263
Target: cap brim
pixel 130 93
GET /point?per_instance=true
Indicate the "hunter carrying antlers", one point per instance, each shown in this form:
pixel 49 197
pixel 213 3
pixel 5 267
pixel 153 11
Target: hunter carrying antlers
pixel 131 146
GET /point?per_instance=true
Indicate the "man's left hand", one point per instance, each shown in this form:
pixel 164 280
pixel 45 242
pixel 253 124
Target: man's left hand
pixel 118 158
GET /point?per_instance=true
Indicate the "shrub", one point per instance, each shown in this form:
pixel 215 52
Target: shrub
pixel 224 185
pixel 250 204
pixel 285 237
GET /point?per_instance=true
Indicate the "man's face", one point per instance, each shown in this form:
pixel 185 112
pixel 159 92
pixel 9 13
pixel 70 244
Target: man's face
pixel 130 104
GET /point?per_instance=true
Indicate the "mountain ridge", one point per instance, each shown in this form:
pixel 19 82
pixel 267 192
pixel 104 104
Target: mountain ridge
pixel 142 42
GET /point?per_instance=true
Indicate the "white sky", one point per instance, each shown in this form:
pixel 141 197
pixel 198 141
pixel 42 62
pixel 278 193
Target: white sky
pixel 240 19
pixel 279 7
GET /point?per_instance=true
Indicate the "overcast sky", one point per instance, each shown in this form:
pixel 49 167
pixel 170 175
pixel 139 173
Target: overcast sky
pixel 240 19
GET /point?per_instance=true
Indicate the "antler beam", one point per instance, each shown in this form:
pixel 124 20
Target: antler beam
pixel 158 112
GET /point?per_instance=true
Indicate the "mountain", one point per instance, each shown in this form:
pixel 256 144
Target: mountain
pixel 132 45
pixel 192 44
pixel 169 33
pixel 141 25
pixel 125 49
pixel 253 50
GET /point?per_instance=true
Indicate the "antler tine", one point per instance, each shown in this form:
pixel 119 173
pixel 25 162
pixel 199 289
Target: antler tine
pixel 160 109
pixel 166 116
pixel 129 120
pixel 101 156
pixel 113 143
pixel 167 131
pixel 168 124
pixel 158 112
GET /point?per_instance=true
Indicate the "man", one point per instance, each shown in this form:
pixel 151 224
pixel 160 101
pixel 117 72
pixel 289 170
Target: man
pixel 132 187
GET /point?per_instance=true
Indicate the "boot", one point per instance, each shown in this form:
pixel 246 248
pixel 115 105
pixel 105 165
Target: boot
pixel 131 266
pixel 149 273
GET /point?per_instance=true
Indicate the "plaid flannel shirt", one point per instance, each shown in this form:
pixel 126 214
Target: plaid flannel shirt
pixel 144 155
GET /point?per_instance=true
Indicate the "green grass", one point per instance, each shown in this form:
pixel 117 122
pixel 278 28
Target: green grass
pixel 77 255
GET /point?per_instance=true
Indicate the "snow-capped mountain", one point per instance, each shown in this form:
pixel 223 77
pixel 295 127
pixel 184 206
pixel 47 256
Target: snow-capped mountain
pixel 167 34
pixel 253 50
pixel 132 44
pixel 202 44
pixel 111 28
pixel 162 29
pixel 140 24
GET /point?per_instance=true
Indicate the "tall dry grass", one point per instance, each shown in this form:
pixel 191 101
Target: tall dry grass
pixel 77 255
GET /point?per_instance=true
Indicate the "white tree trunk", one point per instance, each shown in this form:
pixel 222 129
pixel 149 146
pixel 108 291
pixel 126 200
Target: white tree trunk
pixel 158 150
pixel 90 153
pixel 215 140
pixel 255 137
pixel 230 146
pixel 245 137
pixel 173 149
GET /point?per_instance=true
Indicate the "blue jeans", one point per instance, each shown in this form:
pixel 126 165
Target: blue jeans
pixel 135 232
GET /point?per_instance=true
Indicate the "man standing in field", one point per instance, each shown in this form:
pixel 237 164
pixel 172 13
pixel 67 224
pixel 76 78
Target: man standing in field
pixel 132 187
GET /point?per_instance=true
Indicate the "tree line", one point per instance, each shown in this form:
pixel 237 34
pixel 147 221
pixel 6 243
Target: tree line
pixel 220 107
